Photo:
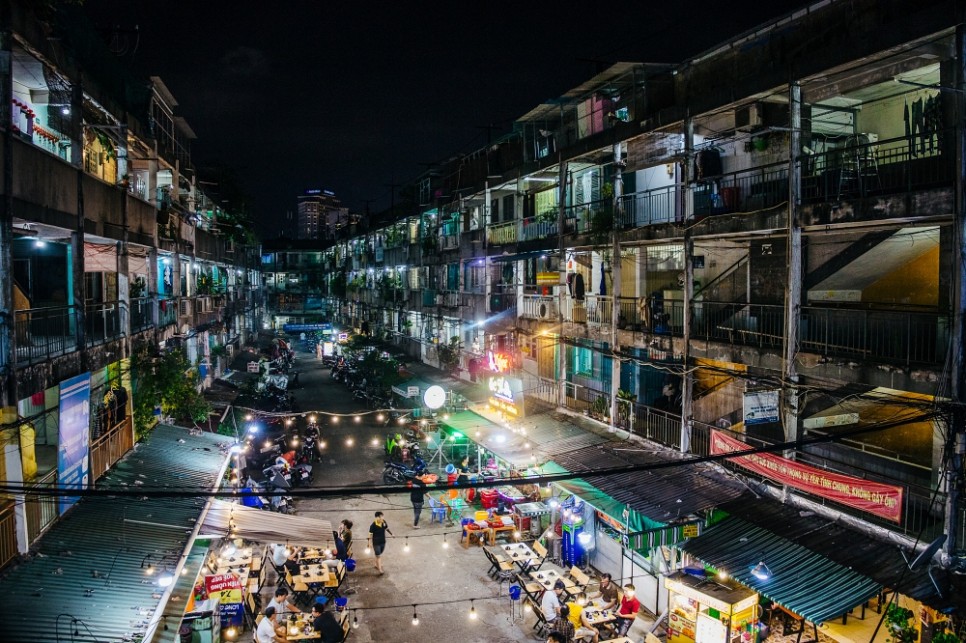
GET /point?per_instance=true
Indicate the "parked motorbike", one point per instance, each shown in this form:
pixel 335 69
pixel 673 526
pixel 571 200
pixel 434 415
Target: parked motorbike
pixel 398 473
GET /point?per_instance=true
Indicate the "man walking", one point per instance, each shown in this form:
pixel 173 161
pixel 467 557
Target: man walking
pixel 416 496
pixel 377 538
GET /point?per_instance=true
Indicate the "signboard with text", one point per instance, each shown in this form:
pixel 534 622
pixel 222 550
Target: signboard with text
pixel 74 436
pixel 761 407
pixel 506 394
pixel 228 589
pixel 872 497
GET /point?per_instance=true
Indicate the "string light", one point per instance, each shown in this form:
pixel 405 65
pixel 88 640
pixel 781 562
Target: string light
pixel 357 419
pixel 375 442
pixel 380 417
pixel 445 544
pixel 415 618
pixel 473 613
pixel 322 444
pixel 368 550
pixel 406 546
pixel 312 419
pixel 355 620
pixel 349 441
pixel 334 419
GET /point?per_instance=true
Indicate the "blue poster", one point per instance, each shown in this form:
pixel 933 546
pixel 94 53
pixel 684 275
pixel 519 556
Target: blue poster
pixel 73 469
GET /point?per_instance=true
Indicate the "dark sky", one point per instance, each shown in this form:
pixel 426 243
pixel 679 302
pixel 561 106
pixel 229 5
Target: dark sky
pixel 353 96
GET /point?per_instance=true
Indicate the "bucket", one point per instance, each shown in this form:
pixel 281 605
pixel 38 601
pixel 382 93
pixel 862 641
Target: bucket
pixel 350 564
pixel 514 592
pixel 340 603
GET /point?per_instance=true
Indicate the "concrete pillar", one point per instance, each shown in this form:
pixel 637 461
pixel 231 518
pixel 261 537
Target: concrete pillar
pixel 562 287
pixel 687 382
pixel 615 272
pixel 8 335
pixel 793 294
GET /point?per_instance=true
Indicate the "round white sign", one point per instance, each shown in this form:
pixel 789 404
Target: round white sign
pixel 434 397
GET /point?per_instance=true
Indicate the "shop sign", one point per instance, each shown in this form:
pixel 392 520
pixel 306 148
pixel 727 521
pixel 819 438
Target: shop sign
pixel 872 497
pixel 298 328
pixel 506 394
pixel 548 278
pixel 761 407
pixel 221 582
pixel 497 362
pixel 74 436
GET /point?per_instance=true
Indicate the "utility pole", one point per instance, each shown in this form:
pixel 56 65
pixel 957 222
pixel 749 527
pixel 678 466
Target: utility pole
pixel 687 386
pixel 562 287
pixel 793 295
pixel 615 271
pixel 8 315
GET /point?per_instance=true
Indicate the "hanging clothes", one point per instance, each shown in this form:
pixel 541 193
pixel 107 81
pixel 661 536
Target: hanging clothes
pixel 579 287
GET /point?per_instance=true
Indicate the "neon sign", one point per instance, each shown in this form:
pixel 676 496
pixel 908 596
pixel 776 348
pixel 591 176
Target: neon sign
pixel 497 362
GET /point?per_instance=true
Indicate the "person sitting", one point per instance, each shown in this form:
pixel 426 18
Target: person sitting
pixel 550 603
pixel 281 603
pixel 576 613
pixel 325 623
pixel 292 563
pixel 607 592
pixel 556 637
pixel 627 611
pixel 265 632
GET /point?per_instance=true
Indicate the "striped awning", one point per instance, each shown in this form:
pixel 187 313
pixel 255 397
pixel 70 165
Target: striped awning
pixel 800 580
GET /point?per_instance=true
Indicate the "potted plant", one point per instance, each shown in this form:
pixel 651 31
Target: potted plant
pixel 901 627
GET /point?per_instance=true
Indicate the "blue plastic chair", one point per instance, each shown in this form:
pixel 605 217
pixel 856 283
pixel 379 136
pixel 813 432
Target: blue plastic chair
pixel 437 511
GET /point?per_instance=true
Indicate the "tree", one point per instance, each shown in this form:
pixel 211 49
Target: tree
pixel 449 354
pixel 168 380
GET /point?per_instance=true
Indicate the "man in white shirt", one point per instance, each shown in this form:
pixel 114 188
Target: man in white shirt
pixel 265 633
pixel 281 603
pixel 279 554
pixel 550 604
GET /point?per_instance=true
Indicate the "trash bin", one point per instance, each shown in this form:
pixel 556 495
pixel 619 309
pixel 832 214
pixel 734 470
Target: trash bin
pixel 340 603
pixel 350 564
pixel 514 592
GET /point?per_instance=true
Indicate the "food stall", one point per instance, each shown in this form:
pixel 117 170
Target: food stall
pixel 710 609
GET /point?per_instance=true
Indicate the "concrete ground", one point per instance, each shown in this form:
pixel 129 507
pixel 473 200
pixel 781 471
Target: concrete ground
pixel 426 575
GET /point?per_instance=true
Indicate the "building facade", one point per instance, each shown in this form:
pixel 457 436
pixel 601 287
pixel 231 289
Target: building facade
pixel 758 246
pixel 320 215
pixel 107 246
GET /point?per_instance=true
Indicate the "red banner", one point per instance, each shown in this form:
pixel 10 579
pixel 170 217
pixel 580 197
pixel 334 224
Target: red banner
pixel 221 582
pixel 872 497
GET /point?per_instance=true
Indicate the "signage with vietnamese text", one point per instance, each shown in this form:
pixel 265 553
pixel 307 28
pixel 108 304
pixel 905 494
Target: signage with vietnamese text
pixel 761 407
pixel 74 436
pixel 497 362
pixel 872 497
pixel 297 328
pixel 228 589
pixel 506 394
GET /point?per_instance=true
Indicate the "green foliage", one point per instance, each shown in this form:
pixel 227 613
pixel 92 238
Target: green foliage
pixel 600 408
pixel 449 354
pixel 901 628
pixel 167 380
pixel 945 637
pixel 625 407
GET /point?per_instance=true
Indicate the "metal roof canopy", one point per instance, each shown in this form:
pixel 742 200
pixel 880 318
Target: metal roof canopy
pixel 265 526
pixel 801 580
pixel 90 565
pixel 663 495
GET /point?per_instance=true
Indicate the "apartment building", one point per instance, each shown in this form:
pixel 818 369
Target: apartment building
pixel 108 244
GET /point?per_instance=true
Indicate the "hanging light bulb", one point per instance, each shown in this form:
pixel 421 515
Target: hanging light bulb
pixel 288 422
pixel 527 608
pixel 473 613
pixel 357 419
pixel 415 618
pixel 375 442
pixel 349 442
pixel 322 444
pixel 406 546
pixel 355 622
pixel 380 417
pixel 230 633
pixel 368 550
pixel 334 419
pixel 445 544
pixel 312 419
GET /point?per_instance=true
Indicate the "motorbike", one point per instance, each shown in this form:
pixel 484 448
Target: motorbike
pixel 398 473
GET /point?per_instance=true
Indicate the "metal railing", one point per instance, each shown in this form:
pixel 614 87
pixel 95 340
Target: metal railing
pixel 593 309
pixel 103 322
pixel 748 190
pixel 167 312
pixel 533 228
pixel 646 208
pixel 41 509
pixel 500 302
pixel 43 333
pixel 8 534
pixel 111 446
pixel 539 307
pixel 502 233
pixel 142 313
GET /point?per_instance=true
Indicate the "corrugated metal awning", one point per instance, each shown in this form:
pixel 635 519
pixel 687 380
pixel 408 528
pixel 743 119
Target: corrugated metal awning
pixel 801 580
pixel 265 526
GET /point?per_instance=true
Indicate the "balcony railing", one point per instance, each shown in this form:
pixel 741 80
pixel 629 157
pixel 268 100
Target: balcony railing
pixel 646 208
pixel 168 312
pixel 103 322
pixel 142 314
pixel 449 241
pixel 8 534
pixel 539 307
pixel 502 233
pixel 500 302
pixel 749 190
pixel 42 511
pixel 533 228
pixel 890 336
pixel 43 333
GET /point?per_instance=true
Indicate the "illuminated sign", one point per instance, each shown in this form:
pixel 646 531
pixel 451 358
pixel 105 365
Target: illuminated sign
pixel 506 394
pixel 497 362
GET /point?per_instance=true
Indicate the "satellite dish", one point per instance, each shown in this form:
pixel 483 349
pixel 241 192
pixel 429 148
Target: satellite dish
pixel 926 553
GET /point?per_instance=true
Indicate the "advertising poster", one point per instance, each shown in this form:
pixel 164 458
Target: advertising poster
pixel 73 449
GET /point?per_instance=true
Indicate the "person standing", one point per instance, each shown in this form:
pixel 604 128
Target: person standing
pixel 377 538
pixel 416 496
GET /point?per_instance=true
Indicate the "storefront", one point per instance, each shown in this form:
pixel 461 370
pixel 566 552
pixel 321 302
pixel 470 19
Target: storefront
pixel 710 610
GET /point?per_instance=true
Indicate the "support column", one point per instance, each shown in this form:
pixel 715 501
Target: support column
pixel 955 448
pixel 615 271
pixel 562 286
pixel 793 294
pixel 8 321
pixel 687 387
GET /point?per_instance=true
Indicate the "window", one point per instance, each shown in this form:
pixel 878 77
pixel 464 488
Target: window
pixel 583 361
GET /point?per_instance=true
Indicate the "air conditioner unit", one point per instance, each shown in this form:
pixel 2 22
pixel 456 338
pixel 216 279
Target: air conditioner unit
pixel 184 309
pixel 748 118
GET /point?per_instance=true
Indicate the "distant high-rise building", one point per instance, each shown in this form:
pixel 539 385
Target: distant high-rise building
pixel 319 214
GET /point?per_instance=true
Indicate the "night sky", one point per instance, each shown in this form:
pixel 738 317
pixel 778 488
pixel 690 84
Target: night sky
pixel 353 97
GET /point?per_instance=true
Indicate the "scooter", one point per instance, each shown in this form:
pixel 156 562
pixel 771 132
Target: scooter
pixel 398 473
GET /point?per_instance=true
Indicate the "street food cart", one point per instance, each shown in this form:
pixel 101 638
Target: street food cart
pixel 709 609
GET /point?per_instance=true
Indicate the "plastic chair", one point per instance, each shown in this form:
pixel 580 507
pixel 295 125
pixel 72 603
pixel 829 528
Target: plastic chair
pixel 456 509
pixel 437 512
